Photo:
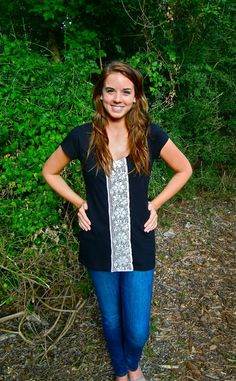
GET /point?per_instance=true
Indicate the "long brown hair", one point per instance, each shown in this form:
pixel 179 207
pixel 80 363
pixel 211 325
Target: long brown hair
pixel 137 121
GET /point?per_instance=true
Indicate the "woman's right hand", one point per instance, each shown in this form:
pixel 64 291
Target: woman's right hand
pixel 84 221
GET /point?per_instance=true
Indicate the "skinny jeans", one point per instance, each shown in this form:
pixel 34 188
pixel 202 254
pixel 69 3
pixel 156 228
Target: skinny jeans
pixel 124 300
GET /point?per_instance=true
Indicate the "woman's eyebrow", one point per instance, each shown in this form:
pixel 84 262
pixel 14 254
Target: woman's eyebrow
pixel 125 88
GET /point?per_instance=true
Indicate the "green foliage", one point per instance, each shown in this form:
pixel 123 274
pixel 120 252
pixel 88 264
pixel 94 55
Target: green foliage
pixel 42 102
pixel 191 81
pixel 154 73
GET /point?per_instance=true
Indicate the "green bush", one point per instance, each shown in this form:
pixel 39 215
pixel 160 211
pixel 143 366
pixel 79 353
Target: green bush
pixel 41 102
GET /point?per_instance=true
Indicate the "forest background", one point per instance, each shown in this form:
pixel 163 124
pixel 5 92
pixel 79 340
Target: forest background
pixel 51 55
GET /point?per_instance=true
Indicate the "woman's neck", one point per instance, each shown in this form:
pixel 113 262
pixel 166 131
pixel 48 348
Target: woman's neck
pixel 118 140
pixel 116 126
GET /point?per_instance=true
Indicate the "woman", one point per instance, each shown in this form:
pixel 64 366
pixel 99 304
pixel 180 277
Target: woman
pixel 117 243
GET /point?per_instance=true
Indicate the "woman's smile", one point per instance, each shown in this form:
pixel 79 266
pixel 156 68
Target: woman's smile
pixel 117 108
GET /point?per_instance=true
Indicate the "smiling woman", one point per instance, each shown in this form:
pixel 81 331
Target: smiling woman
pixel 120 101
pixel 117 221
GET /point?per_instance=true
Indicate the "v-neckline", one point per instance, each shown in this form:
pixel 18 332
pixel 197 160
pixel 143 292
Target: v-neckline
pixel 122 158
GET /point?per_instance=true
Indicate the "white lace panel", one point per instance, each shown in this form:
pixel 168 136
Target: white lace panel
pixel 119 217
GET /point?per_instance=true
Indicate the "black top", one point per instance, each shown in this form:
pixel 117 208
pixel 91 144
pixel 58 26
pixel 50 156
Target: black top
pixel 117 207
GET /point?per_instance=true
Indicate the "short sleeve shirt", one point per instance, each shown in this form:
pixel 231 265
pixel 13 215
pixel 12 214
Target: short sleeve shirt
pixel 117 206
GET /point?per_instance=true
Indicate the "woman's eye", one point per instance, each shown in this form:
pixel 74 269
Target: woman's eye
pixel 110 91
pixel 126 92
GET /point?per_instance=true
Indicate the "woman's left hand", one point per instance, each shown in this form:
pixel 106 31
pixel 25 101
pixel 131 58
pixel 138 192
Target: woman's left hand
pixel 151 223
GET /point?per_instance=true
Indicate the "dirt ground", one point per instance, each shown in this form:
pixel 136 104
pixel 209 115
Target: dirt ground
pixel 193 324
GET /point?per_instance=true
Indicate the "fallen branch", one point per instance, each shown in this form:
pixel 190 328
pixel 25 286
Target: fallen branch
pixel 59 315
pixel 69 323
pixel 13 316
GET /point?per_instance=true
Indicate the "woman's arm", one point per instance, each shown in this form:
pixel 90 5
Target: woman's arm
pixel 176 160
pixel 51 173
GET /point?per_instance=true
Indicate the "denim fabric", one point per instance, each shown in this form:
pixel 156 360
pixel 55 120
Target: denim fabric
pixel 125 302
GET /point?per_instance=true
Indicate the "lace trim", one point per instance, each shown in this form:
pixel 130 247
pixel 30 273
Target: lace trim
pixel 119 217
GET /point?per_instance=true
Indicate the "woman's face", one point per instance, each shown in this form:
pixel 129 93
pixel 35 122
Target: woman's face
pixel 118 95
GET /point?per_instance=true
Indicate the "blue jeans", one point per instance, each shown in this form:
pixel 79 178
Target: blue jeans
pixel 125 302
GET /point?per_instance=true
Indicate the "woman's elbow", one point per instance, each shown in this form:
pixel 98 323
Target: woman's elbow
pixel 45 173
pixel 189 170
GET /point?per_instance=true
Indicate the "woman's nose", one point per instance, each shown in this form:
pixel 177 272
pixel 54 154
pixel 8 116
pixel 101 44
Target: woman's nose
pixel 117 97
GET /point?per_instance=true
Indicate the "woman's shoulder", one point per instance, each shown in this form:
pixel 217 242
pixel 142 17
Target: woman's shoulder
pixel 157 139
pixel 83 129
pixel 76 142
pixel 155 131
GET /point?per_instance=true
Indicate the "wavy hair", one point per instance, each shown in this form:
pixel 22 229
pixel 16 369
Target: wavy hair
pixel 137 122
